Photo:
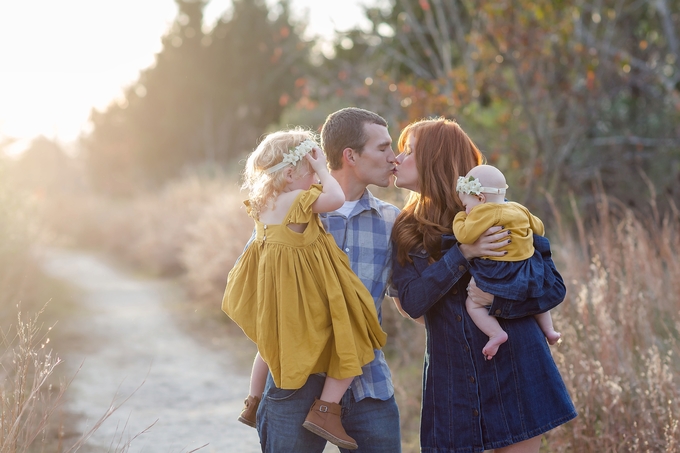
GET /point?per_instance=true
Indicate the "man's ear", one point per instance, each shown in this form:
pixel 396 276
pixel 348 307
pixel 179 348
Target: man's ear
pixel 348 156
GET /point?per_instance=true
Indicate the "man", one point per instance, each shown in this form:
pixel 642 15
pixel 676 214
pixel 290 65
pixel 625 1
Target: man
pixel 359 152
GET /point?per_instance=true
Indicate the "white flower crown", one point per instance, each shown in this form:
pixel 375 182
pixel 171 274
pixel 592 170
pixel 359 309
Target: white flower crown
pixel 472 186
pixel 293 156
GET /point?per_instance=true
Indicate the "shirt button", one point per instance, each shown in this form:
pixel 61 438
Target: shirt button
pixel 472 379
pixel 347 250
pixel 265 227
pixel 475 412
pixel 461 268
pixel 498 312
pixel 459 318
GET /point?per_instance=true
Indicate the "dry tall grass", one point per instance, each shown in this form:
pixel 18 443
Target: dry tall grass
pixel 621 325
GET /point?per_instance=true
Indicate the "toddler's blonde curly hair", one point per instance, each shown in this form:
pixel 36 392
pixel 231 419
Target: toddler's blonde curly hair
pixel 262 187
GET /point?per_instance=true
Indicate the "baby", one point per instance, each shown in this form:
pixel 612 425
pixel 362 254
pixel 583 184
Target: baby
pixel 515 275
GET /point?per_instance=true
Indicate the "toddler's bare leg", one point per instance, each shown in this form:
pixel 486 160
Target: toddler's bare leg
pixel 546 324
pixel 334 389
pixel 258 377
pixel 489 325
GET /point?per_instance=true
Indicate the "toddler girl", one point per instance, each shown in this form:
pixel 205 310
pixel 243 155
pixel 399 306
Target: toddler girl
pixel 515 275
pixel 292 291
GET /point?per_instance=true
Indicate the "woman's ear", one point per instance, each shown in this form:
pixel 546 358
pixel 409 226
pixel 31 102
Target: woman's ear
pixel 482 198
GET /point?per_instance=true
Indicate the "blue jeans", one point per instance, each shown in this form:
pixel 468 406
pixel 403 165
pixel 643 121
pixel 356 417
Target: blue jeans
pixel 374 424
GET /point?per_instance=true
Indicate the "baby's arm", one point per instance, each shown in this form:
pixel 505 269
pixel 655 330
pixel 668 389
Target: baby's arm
pixel 536 225
pixel 332 197
pixel 468 228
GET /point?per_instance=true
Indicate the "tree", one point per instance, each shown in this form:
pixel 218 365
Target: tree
pixel 565 95
pixel 207 98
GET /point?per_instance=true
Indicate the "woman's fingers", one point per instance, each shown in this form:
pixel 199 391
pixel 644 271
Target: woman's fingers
pixel 477 295
pixel 495 238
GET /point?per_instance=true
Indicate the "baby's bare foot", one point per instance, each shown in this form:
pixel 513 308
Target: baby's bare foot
pixel 491 347
pixel 553 337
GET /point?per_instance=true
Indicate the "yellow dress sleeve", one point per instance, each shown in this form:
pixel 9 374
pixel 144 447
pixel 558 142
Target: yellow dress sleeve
pixel 468 227
pixel 302 212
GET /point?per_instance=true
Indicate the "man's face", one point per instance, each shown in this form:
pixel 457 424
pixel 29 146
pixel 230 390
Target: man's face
pixel 377 162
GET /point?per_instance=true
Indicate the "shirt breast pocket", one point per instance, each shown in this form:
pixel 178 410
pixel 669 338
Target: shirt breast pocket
pixel 373 256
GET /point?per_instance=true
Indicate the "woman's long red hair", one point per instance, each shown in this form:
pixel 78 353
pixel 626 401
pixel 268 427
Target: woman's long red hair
pixel 443 152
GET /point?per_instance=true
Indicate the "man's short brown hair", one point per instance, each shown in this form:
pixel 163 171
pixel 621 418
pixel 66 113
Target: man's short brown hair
pixel 345 129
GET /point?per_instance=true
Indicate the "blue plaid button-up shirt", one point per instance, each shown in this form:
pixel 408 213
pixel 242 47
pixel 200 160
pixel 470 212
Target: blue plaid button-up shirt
pixel 365 237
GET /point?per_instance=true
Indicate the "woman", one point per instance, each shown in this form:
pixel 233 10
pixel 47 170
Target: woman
pixel 469 404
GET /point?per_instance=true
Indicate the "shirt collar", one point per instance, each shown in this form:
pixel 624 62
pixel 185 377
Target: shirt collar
pixel 367 202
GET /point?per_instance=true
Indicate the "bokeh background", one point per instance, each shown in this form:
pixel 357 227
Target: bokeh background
pixel 124 127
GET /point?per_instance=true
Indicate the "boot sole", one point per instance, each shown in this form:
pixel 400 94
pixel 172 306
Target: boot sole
pixel 245 421
pixel 329 437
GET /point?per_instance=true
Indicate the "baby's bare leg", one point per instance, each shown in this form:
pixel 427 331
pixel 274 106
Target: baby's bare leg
pixel 546 324
pixel 487 324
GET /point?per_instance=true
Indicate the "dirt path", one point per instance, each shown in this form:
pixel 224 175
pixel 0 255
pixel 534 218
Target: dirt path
pixel 126 335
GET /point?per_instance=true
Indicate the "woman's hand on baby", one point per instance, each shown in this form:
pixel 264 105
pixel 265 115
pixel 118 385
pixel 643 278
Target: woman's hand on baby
pixel 317 159
pixel 487 244
pixel 478 296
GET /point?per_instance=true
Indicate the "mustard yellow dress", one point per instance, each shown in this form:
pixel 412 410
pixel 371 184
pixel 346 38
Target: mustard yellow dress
pixel 296 296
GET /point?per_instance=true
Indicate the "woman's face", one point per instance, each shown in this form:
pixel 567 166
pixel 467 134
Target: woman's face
pixel 407 173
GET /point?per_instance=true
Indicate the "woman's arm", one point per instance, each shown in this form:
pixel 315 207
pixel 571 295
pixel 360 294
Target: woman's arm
pixel 418 291
pixel 397 304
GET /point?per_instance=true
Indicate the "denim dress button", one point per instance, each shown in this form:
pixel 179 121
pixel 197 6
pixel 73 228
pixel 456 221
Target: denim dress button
pixel 475 412
pixel 498 311
pixel 455 291
pixel 459 318
pixel 466 348
pixel 472 379
pixel 461 268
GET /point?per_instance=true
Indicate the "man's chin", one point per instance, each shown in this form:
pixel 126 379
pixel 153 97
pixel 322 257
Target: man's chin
pixel 386 183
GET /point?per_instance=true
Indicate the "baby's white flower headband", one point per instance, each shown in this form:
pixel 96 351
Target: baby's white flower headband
pixel 471 185
pixel 293 156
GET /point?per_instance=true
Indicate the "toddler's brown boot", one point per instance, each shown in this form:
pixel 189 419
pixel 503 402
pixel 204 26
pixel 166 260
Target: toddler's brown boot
pixel 249 412
pixel 323 420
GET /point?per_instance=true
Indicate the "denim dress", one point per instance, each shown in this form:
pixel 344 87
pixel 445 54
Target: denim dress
pixel 470 404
